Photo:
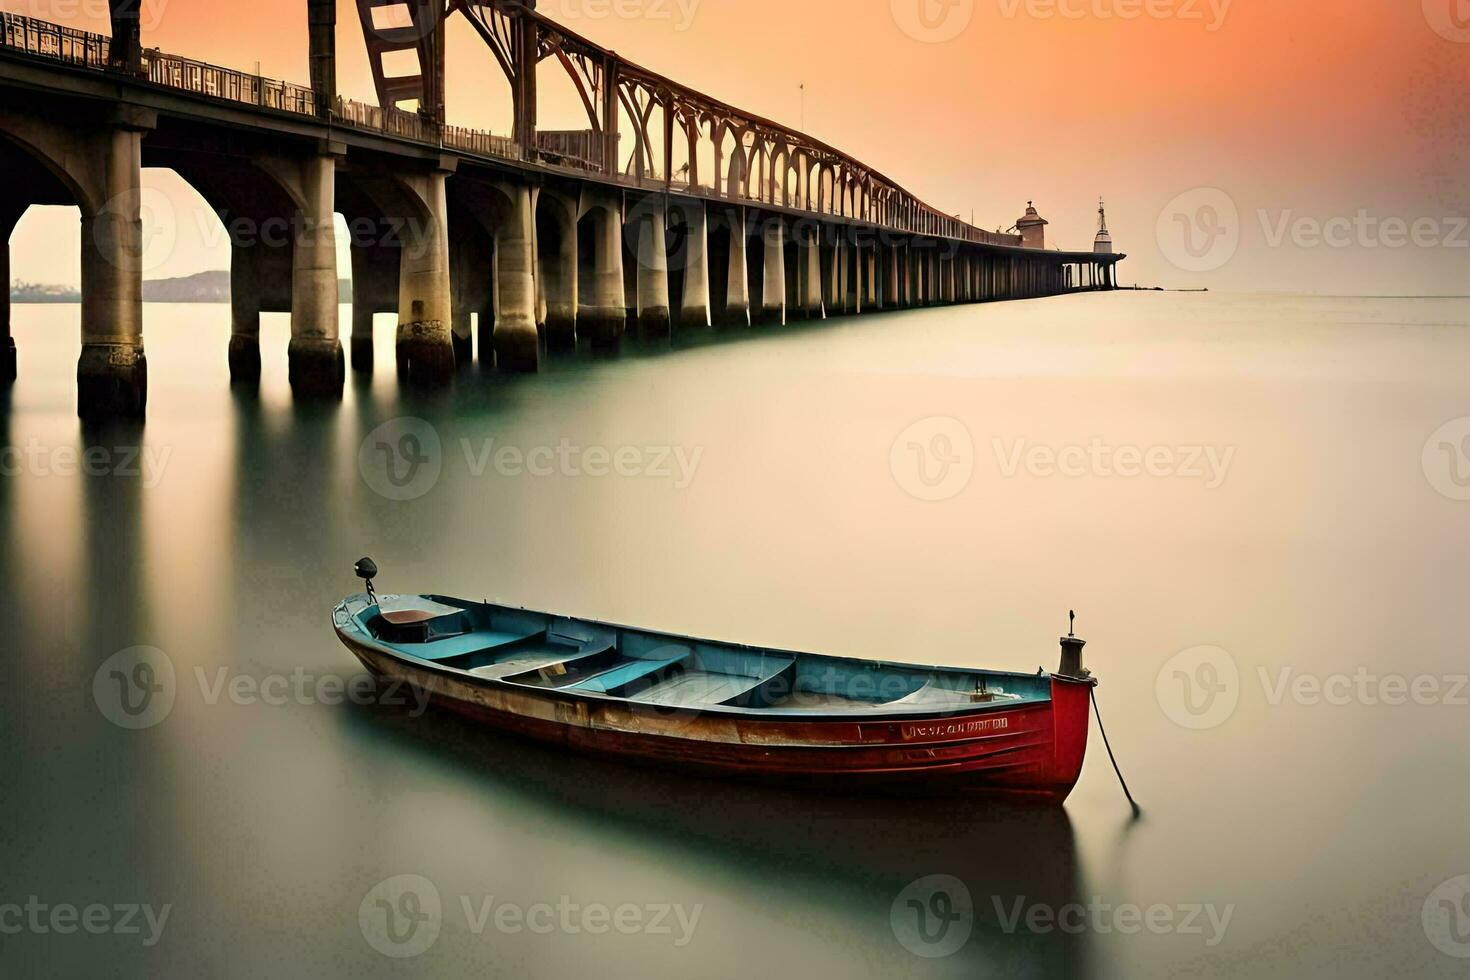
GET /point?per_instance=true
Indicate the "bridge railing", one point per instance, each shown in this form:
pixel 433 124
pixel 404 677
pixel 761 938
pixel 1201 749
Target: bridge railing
pixel 226 83
pixel 47 40
pixel 393 122
pixel 479 141
pixel 583 150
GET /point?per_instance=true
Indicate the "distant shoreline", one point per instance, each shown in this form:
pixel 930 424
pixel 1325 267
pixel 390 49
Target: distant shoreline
pixel 202 287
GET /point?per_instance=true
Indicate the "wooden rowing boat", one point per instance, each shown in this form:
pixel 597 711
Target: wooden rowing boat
pixel 826 722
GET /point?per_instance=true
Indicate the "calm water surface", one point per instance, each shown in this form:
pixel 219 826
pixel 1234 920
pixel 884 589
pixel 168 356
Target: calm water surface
pixel 1321 542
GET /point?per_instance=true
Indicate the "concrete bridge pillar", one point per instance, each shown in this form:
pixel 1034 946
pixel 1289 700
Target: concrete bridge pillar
pixel 517 346
pixel 424 347
pixel 8 218
pixel 891 297
pixel 842 272
pixel 810 253
pixel 869 263
pixel 245 305
pixel 694 307
pixel 737 289
pixel 773 291
pixel 112 374
pixel 316 365
pixel 361 343
pixel 653 274
pixel 901 275
pixel 7 342
pixel 852 271
pixel 375 279
pixel 556 268
pixel 602 314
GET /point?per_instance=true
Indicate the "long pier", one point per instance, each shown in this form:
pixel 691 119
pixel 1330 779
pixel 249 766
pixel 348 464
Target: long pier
pixel 671 210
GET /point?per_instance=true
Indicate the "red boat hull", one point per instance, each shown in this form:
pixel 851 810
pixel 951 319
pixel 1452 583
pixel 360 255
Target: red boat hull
pixel 1032 751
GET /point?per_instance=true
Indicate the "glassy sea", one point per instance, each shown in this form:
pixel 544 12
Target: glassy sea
pixel 1258 506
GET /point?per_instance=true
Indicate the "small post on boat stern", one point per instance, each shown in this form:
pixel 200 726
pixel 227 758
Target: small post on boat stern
pixel 366 569
pixel 1072 668
pixel 1072 650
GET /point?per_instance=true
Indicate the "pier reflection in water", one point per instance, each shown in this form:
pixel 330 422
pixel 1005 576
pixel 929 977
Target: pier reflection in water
pixel 265 818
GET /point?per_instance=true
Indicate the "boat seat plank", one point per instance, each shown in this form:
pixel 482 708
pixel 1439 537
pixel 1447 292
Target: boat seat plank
pixel 457 646
pixel 629 671
pixel 698 687
pixel 520 663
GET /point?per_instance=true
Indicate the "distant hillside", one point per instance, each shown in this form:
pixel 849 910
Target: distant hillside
pixel 202 287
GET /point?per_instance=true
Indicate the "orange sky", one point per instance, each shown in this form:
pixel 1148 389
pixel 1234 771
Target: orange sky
pixel 1293 108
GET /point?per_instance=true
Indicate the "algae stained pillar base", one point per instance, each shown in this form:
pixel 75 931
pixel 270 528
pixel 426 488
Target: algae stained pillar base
pixel 112 372
pixel 517 344
pixel 423 348
pixel 694 307
pixel 317 368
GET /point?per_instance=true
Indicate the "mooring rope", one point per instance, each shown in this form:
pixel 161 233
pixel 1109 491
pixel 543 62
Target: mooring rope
pixel 1114 759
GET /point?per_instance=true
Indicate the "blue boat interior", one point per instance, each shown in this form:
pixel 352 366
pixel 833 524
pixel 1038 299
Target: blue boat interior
pixel 542 651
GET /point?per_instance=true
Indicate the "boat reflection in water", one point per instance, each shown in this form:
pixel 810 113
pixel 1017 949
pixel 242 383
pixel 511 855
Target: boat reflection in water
pixel 921 876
